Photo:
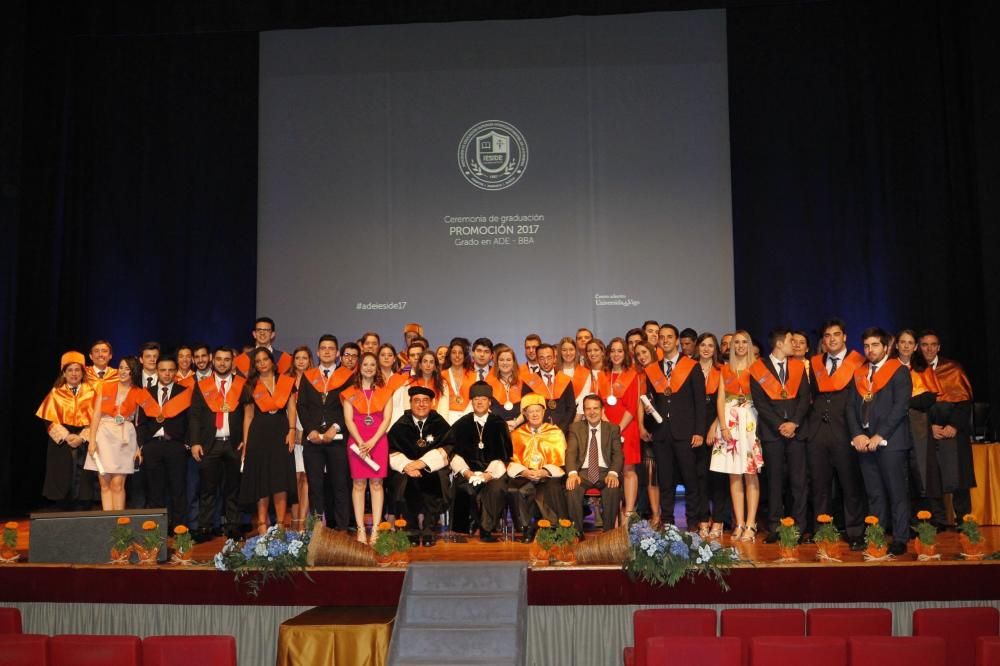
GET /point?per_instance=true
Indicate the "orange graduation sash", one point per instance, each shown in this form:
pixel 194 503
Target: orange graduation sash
pixel 841 376
pixel 272 402
pixel 712 381
pixel 62 407
pixel 580 375
pixel 186 382
pixel 171 408
pixel 356 397
pixel 772 387
pixel 618 384
pixel 110 375
pixel 677 378
pixel 134 398
pixel 924 382
pixel 218 402
pixel 955 386
pixel 323 384
pixel 879 381
pixel 736 383
pixel 525 373
pixel 554 392
pixel 500 392
pixel 457 400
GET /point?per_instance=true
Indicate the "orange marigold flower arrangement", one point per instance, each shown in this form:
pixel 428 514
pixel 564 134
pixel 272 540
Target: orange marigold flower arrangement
pixel 544 524
pixel 926 533
pixel 400 522
pixel 970 538
pixel 788 533
pixel 874 536
pixel 384 526
pixel 151 538
pixel 391 539
pixel 124 520
pixel 183 542
pixel 10 538
pixel 827 531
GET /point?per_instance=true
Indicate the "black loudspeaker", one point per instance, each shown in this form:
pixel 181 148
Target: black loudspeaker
pixel 84 537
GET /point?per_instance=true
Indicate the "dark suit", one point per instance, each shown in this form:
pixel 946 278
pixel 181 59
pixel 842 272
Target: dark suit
pixel 165 458
pixel 783 456
pixel 577 445
pixel 829 449
pixel 885 470
pixel 683 414
pixel 326 463
pixel 220 461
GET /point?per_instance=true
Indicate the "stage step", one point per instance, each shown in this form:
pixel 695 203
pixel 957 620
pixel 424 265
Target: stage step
pixel 461 613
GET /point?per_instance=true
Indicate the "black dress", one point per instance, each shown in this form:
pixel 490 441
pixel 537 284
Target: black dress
pixel 269 467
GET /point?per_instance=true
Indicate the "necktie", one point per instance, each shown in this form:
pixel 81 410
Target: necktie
pixel 670 368
pixel 482 374
pixel 218 415
pixel 100 374
pixel 420 426
pixel 75 389
pixel 548 380
pixel 833 364
pixel 593 471
pixel 871 373
pixel 781 372
pixel 149 382
pixel 326 373
pixel 163 396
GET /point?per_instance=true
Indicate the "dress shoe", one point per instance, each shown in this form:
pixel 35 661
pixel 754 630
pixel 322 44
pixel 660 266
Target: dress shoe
pixel 427 539
pixel 857 544
pixel 202 536
pixel 897 548
pixel 486 537
pixel 528 535
pixel 772 537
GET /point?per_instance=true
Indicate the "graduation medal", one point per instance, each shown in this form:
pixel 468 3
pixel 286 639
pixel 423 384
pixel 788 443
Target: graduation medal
pixel 668 391
pixel 551 403
pixel 869 396
pixel 119 419
pixel 160 419
pixel 225 406
pixel 458 399
pixel 508 406
pixel 741 400
pixel 612 400
pixel 369 420
pixel 422 443
pixel 784 394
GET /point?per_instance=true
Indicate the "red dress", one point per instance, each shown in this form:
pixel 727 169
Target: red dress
pixel 625 390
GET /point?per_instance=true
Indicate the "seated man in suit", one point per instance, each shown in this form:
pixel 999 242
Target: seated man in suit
pixel 480 450
pixel 536 467
pixel 877 418
pixel 419 461
pixel 594 459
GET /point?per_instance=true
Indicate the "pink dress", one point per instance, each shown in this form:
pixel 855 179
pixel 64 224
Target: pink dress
pixel 380 453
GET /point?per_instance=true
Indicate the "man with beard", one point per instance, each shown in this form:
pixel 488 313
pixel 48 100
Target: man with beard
pixel 480 448
pixel 420 462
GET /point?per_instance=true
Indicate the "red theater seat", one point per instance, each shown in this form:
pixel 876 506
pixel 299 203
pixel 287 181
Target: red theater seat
pixel 847 622
pixel 668 622
pixel 988 651
pixel 24 650
pixel 189 651
pixel 745 623
pixel 86 650
pixel 812 650
pixel 884 650
pixel 692 651
pixel 10 621
pixel 960 627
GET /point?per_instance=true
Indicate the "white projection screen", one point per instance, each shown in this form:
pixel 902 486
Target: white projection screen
pixel 495 178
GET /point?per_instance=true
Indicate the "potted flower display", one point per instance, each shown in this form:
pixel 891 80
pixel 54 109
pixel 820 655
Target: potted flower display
pixel 664 555
pixel 970 538
pixel 788 540
pixel 926 542
pixel 540 550
pixel 8 547
pixel 148 546
pixel 183 545
pixel 827 539
pixel 566 537
pixel 122 540
pixel 875 544
pixel 392 544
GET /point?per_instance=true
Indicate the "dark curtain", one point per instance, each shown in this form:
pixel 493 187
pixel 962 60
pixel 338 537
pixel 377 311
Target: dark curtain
pixel 863 151
pixel 137 209
pixel 864 167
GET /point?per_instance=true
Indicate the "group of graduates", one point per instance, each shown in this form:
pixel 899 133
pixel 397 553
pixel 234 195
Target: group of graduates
pixel 465 427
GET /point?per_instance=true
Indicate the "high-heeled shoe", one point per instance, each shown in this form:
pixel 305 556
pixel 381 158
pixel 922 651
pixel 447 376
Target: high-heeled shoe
pixel 373 537
pixel 716 531
pixel 737 532
pixel 656 522
pixel 703 530
pixel 361 536
pixel 750 533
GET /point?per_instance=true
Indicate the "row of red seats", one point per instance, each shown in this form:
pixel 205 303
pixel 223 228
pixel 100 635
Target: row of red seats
pixel 84 650
pixel 959 628
pixel 812 650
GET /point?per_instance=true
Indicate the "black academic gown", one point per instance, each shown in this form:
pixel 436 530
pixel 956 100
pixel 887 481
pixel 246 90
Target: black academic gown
pixel 429 493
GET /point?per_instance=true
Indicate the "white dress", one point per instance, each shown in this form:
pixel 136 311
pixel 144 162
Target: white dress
pixel 116 446
pixel 742 453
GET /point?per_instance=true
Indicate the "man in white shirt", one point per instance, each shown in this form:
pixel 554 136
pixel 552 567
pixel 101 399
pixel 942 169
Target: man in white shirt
pixel 594 459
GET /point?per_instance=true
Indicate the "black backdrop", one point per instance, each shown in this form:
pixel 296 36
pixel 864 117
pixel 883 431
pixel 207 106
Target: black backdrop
pixel 864 159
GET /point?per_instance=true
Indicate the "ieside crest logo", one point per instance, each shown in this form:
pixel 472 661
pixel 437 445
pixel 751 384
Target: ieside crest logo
pixel 492 155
